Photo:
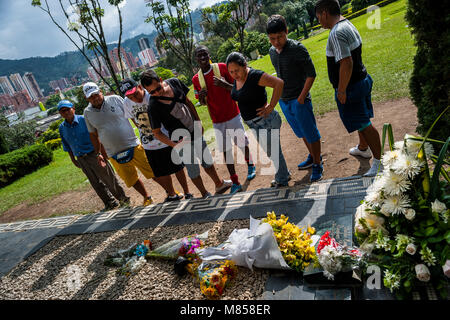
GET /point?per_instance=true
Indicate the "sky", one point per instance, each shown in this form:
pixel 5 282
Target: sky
pixel 27 31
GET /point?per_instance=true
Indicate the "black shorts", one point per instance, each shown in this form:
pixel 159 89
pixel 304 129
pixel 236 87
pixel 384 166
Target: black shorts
pixel 161 162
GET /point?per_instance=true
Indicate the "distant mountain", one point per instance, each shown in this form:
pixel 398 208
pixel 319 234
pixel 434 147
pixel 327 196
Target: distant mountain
pixel 69 64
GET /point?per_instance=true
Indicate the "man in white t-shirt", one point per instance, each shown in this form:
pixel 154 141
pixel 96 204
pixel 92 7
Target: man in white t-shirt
pixel 158 154
pixel 114 139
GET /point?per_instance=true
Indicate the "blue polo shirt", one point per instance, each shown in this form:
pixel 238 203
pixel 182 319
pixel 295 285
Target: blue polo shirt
pixel 75 136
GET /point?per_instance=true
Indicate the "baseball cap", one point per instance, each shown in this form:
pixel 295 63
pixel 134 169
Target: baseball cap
pixel 127 86
pixel 90 88
pixel 64 104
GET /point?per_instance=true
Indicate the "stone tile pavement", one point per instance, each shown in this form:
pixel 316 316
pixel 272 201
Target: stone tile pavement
pixel 329 204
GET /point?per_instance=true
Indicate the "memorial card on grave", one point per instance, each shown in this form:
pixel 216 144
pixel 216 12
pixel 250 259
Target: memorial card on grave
pixel 341 229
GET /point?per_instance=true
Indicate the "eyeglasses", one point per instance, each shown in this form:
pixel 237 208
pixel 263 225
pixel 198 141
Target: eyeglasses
pixel 158 88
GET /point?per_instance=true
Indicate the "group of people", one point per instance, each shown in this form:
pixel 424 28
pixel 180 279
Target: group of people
pixel 171 133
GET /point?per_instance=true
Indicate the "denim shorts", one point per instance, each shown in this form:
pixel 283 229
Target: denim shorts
pixel 301 119
pixel 358 109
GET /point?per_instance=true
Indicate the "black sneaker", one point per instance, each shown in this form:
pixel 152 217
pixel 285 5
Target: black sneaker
pixel 110 206
pixel 176 197
pixel 125 202
pixel 188 196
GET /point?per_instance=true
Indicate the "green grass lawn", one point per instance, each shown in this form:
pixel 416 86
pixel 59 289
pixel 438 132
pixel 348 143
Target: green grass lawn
pixel 387 54
pixel 56 178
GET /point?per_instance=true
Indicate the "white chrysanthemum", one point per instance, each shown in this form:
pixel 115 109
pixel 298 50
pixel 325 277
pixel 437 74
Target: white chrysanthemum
pixel 413 147
pixel 377 184
pixel 398 145
pixel 390 157
pixel 395 184
pixel 397 204
pixel 407 166
pixel 374 199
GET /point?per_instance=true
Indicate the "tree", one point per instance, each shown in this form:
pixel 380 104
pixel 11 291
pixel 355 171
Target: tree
pixel 216 20
pixel 260 24
pixel 173 22
pixel 18 135
pixel 430 82
pixel 164 73
pixel 213 44
pixel 84 23
pixel 52 101
pixel 80 100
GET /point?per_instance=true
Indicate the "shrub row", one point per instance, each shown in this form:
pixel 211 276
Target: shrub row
pixel 16 164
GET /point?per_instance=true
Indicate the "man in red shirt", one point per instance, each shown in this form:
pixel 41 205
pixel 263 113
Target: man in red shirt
pixel 212 87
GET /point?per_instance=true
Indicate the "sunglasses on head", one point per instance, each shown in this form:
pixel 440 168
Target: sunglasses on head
pixel 158 88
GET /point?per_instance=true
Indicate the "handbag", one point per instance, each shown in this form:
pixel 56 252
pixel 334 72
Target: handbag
pixel 124 156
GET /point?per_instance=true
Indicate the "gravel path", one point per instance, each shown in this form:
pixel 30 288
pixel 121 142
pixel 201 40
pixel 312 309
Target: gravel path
pixel 51 272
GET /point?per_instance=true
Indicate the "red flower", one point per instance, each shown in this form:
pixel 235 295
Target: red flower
pixel 326 240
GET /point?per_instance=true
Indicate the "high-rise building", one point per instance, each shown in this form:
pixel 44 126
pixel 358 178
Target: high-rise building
pixel 147 57
pixel 131 61
pixel 32 85
pixel 59 84
pixel 18 82
pixel 92 74
pixel 6 85
pixel 101 66
pixel 143 44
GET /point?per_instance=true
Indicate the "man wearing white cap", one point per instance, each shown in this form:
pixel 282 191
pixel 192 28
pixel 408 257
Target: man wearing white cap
pixel 106 123
pixel 76 141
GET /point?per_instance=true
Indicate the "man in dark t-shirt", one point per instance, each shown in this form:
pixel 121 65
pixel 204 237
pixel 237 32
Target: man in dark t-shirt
pixel 352 83
pixel 295 67
pixel 169 106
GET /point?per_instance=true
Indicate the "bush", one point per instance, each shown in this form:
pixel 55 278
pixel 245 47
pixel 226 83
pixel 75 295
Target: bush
pixel 52 111
pixel 55 125
pixel 430 84
pixel 16 164
pixel 53 144
pixel 48 135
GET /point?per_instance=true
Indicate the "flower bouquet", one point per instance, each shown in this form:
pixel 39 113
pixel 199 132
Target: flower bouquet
pixel 334 258
pixel 295 245
pixel 129 260
pixel 214 277
pixel 404 219
pixel 184 247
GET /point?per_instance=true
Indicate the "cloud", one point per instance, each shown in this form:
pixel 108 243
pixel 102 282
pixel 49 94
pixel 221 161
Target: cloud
pixel 27 31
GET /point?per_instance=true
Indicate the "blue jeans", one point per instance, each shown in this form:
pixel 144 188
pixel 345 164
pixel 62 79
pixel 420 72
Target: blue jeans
pixel 273 121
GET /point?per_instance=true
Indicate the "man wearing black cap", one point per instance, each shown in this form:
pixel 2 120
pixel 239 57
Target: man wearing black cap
pixel 76 141
pixel 158 154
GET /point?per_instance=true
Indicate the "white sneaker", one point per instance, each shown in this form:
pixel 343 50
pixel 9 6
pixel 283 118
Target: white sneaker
pixel 224 187
pixel 356 152
pixel 377 167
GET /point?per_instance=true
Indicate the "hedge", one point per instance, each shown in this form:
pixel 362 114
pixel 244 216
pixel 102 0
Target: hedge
pixel 16 164
pixel 430 82
pixel 53 144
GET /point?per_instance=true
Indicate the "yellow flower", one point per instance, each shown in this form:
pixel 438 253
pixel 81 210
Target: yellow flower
pixel 311 230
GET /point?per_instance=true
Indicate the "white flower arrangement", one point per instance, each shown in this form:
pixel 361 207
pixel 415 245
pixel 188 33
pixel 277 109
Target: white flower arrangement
pixel 403 220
